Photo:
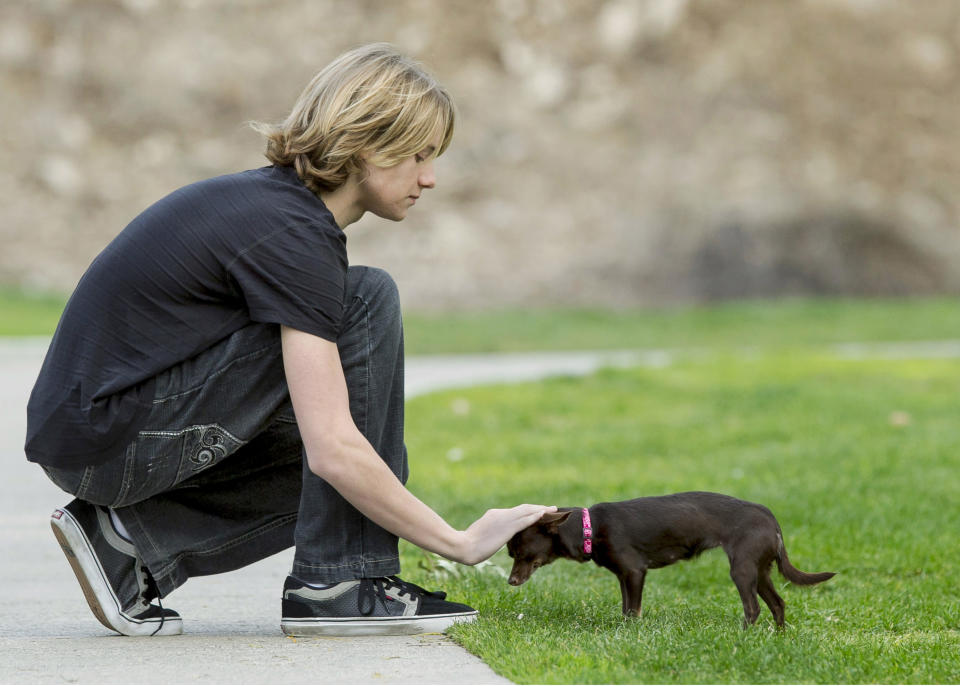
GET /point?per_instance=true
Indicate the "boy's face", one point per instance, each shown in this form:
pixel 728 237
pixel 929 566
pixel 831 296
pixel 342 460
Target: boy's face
pixel 389 192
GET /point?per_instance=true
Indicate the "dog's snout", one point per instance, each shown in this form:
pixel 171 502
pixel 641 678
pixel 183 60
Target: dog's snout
pixel 518 575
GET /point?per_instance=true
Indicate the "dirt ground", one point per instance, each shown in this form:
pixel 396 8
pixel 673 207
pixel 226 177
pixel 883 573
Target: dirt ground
pixel 608 152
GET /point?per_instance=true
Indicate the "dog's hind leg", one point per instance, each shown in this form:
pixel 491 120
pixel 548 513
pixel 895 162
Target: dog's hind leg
pixel 770 597
pixel 744 575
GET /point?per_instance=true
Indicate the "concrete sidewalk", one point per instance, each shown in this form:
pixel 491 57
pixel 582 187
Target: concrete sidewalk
pixel 231 621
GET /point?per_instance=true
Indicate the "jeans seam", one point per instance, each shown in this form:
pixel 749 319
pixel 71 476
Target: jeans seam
pixel 215 373
pixel 172 434
pixel 368 352
pixel 308 565
pixel 85 482
pixel 126 480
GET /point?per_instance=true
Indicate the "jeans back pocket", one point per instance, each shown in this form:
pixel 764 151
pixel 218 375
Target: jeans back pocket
pixel 164 459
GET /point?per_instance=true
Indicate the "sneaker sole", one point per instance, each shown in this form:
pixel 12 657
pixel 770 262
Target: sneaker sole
pixel 374 626
pixel 96 589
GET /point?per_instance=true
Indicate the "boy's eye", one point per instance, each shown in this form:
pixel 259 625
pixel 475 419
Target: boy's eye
pixel 425 154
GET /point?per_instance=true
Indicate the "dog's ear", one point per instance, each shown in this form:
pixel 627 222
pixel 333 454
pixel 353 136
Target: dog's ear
pixel 553 520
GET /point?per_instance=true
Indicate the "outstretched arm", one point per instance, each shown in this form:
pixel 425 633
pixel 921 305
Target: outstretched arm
pixel 337 452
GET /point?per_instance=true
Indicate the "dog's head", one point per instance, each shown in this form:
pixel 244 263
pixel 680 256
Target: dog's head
pixel 535 546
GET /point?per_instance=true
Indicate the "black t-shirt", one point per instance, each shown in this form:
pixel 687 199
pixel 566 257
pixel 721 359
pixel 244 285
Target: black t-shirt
pixel 193 268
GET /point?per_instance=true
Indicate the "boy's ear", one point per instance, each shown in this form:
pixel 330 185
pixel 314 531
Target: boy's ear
pixel 553 520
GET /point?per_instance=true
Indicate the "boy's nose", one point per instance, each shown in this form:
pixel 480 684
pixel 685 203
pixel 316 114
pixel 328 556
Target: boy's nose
pixel 427 177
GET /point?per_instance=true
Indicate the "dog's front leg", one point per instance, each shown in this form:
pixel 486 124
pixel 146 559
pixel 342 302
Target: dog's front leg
pixel 624 594
pixel 631 588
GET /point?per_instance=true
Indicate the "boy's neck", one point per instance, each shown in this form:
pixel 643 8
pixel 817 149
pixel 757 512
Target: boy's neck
pixel 344 203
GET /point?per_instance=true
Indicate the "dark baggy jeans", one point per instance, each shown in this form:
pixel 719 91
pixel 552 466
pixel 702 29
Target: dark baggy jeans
pixel 216 479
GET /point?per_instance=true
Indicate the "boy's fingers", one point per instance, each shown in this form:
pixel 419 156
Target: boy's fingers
pixel 531 513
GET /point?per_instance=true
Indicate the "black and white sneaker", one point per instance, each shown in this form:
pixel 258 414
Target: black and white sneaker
pixel 117 585
pixel 381 606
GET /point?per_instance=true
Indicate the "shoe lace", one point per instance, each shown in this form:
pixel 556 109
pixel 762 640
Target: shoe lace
pixel 373 589
pixel 151 591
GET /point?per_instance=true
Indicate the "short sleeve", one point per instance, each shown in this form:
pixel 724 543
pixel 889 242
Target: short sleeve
pixel 295 276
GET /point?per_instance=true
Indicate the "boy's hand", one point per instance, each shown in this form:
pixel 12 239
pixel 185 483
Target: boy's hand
pixel 491 532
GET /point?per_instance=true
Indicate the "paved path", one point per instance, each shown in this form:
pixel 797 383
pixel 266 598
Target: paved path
pixel 231 621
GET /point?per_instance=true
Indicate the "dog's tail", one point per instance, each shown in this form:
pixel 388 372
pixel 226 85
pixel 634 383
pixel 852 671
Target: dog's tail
pixel 794 575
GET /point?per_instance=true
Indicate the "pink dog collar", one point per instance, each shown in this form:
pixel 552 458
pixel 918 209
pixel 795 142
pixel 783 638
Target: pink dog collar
pixel 587 532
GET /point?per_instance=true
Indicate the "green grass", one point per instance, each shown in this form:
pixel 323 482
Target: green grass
pixel 791 322
pixel 857 459
pixel 782 323
pixel 29 314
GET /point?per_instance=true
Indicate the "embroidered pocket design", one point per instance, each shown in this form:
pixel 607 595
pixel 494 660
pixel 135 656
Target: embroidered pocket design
pixel 209 450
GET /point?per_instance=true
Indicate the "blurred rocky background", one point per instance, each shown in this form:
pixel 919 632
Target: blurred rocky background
pixel 614 152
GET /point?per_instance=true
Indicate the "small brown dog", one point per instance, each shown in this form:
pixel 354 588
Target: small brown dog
pixel 632 536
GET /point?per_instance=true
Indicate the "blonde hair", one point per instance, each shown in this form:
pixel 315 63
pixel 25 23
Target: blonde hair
pixel 371 102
